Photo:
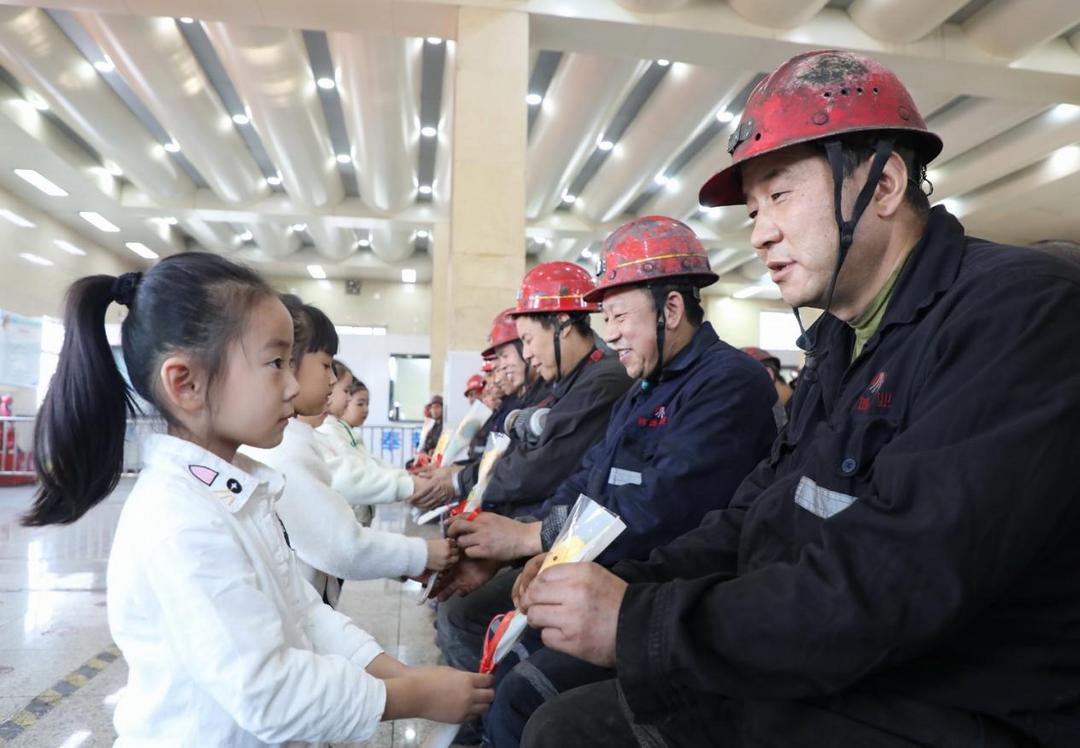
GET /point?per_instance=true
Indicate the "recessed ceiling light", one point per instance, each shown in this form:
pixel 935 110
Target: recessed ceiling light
pixel 273 181
pixel 422 234
pixel 724 116
pixel 35 259
pixel 586 253
pixel 325 84
pixel 36 101
pixel 344 158
pixel 408 275
pixel 113 169
pixel 104 65
pixel 568 198
pixel 68 247
pixel 16 219
pixel 661 179
pixel 241 119
pixel 172 146
pixel 187 19
pixel 364 243
pixel 298 227
pixel 316 272
pixel 534 99
pixel 99 221
pixel 425 189
pixel 142 250
pixel 605 145
pixel 428 131
pixel 245 236
pixel 39 181
pixel 168 220
pixel 434 40
pixel 663 63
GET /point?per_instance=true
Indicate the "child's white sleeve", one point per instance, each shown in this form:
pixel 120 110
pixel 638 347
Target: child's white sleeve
pixel 363 481
pixel 325 534
pixel 229 634
pixel 332 632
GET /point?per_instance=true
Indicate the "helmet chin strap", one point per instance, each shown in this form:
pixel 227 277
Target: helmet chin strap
pixel 560 325
pixel 834 151
pixel 659 295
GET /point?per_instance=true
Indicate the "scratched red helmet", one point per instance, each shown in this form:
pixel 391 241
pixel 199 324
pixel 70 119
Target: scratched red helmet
pixel 554 287
pixel 475 384
pixel 503 330
pixel 813 96
pixel 651 249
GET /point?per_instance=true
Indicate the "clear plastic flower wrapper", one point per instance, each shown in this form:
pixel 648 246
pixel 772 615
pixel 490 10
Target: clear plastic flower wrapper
pixel 457 446
pixel 589 529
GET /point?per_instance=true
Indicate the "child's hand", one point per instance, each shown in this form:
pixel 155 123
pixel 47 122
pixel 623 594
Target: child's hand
pixel 464 577
pixel 455 696
pixel 521 584
pixel 441 553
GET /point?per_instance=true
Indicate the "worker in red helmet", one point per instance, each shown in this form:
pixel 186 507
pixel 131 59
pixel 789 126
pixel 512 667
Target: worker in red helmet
pixel 677 446
pixel 548 440
pixel 474 388
pixel 901 570
pixel 772 366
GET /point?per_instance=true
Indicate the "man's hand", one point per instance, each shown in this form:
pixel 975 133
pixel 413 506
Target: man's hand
pixel 429 493
pixel 489 535
pixel 464 577
pixel 576 606
pixel 532 568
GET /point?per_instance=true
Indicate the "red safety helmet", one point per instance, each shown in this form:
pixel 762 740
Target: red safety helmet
pixel 475 384
pixel 554 287
pixel 649 249
pixel 813 96
pixel 488 366
pixel 503 330
pixel 760 354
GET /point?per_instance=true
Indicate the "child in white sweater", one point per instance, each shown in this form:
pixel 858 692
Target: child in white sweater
pixel 329 541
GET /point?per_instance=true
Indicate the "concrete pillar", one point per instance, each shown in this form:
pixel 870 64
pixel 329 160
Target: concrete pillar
pixel 440 302
pixel 487 208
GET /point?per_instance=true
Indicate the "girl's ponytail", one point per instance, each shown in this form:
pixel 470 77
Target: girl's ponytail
pixel 79 434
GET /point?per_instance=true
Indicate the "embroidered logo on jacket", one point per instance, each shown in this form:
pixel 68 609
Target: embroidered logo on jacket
pixel 659 418
pixel 875 396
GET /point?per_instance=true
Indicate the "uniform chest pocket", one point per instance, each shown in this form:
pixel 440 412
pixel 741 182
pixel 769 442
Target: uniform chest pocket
pixel 859 445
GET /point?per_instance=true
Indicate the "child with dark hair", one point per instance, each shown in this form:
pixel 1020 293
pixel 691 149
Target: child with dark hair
pixel 323 530
pixel 225 642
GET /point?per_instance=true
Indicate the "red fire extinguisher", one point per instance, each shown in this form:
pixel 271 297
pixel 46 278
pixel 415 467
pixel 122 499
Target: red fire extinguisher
pixel 12 459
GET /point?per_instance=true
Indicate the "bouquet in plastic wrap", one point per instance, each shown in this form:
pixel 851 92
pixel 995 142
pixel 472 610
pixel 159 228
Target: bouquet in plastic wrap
pixel 457 446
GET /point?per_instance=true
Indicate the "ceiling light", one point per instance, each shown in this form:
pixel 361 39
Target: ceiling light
pixel 325 84
pixel 428 131
pixel 425 189
pixel 663 63
pixel 422 234
pixel 187 19
pixel 273 181
pixel 241 119
pixel 661 179
pixel 172 146
pixel 99 221
pixel 586 253
pixel 533 99
pixel 434 40
pixel 43 184
pixel 298 227
pixel 671 185
pixel 408 275
pixel 724 116
pixel 36 101
pixel 245 236
pixel 16 219
pixel 113 169
pixel 104 65
pixel 605 145
pixel 568 198
pixel 68 247
pixel 35 259
pixel 364 243
pixel 168 220
pixel 316 272
pixel 142 250
pixel 747 292
pixel 344 158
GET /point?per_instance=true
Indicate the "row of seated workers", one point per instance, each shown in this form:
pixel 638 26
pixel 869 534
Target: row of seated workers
pixel 886 556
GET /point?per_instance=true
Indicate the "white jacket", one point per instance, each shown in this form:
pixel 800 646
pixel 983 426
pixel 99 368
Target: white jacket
pixel 226 644
pixel 324 532
pixel 355 473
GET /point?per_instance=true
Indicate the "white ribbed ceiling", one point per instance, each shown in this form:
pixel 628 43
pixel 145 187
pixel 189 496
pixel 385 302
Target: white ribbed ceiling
pixel 284 170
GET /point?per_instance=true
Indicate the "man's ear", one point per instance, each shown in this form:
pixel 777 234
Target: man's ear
pixel 674 310
pixel 889 194
pixel 182 386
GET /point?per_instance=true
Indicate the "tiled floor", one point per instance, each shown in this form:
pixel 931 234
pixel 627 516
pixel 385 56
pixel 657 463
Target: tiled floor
pixel 53 620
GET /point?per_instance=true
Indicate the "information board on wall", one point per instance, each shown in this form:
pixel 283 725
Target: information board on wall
pixel 20 349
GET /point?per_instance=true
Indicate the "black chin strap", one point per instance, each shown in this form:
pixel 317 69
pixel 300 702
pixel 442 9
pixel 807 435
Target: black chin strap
pixel 834 151
pixel 659 294
pixel 559 327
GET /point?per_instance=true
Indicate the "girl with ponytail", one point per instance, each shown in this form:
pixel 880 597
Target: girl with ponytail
pixel 226 643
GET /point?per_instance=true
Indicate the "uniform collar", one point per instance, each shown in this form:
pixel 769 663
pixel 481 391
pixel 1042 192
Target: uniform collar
pixel 702 338
pixel 232 483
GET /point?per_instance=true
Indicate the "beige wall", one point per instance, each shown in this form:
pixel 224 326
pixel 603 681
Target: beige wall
pixel 736 320
pixel 403 308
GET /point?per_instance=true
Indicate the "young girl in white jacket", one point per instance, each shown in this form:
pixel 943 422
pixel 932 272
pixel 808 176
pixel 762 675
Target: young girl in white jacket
pixel 329 541
pixel 225 642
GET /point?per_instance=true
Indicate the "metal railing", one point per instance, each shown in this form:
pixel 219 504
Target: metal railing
pixel 394 445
